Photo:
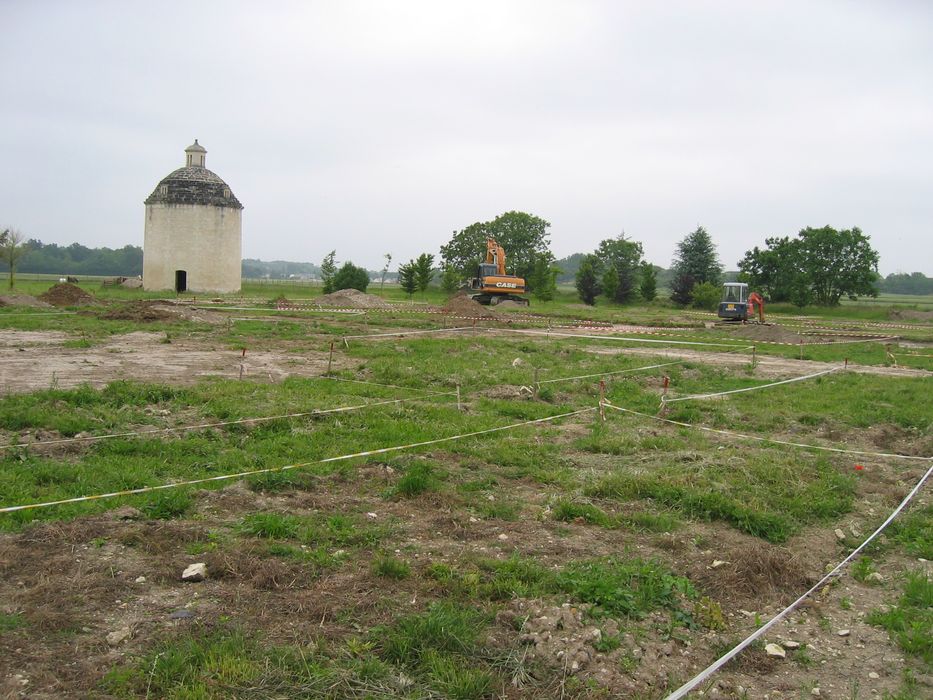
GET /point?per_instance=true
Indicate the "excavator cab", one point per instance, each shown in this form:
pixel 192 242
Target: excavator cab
pixel 737 302
pixel 734 304
pixel 492 285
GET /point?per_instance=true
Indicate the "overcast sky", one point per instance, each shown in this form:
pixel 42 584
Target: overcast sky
pixel 375 127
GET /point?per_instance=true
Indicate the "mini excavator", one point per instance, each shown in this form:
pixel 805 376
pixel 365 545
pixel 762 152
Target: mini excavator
pixel 491 284
pixel 737 302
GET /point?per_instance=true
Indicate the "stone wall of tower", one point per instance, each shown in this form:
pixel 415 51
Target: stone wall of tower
pixel 204 241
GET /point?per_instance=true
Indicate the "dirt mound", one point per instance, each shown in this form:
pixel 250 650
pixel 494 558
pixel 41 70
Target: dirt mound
pixel 462 305
pixel 67 294
pixel 149 311
pixel 907 314
pixel 141 311
pixel 23 300
pixel 352 298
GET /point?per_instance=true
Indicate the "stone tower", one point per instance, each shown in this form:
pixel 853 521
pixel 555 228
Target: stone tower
pixel 193 231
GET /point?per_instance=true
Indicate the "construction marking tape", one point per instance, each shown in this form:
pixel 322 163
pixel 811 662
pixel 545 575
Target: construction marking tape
pixel 739 648
pixel 730 433
pixel 204 426
pixel 252 472
pixel 664 399
pixel 404 333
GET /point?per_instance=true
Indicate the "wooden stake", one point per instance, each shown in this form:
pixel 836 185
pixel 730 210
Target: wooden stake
pixel 459 406
pixel 537 386
pixel 602 397
pixel 754 356
pixel 330 359
pixel 667 382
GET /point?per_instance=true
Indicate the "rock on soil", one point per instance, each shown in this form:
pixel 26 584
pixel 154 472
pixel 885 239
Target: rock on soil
pixel 23 300
pixel 195 572
pixel 132 283
pixel 66 294
pixel 353 299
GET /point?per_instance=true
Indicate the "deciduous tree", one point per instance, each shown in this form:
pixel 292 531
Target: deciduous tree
pixel 349 276
pixel 522 235
pixel 11 250
pixel 820 265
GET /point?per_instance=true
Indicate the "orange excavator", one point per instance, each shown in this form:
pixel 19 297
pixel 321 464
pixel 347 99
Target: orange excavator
pixel 737 303
pixel 491 284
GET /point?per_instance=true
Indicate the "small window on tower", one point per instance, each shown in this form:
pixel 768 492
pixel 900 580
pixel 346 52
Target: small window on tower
pixel 226 193
pixel 163 189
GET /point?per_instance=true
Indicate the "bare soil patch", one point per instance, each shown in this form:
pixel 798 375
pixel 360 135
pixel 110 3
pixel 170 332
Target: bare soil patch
pixel 148 311
pixel 146 357
pixel 23 300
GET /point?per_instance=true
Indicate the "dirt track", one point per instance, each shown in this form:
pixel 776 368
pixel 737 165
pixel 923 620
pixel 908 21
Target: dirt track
pixel 768 366
pixel 140 356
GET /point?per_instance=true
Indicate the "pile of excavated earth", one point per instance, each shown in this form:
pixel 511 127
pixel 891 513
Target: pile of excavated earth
pixel 462 305
pixel 67 294
pixel 352 299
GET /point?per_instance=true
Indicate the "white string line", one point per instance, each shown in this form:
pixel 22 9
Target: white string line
pixel 664 399
pixel 252 472
pixel 202 426
pixel 732 433
pixel 736 650
pixel 607 374
pixel 363 381
pixel 619 338
pixel 385 335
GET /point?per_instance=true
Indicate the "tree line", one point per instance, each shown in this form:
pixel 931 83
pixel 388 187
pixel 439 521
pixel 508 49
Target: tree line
pixel 817 266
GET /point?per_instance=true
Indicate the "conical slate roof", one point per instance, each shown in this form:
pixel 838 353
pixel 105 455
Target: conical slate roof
pixel 194 185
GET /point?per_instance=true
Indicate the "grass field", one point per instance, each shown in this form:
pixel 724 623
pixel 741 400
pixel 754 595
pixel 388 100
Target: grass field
pixel 580 557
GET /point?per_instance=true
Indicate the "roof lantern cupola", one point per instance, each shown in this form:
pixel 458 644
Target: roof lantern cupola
pixel 195 155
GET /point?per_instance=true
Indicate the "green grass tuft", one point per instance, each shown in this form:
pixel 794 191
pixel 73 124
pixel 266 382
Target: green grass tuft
pixel 390 567
pixel 910 622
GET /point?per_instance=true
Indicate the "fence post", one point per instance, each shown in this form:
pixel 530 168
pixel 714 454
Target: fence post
pixel 602 398
pixel 330 359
